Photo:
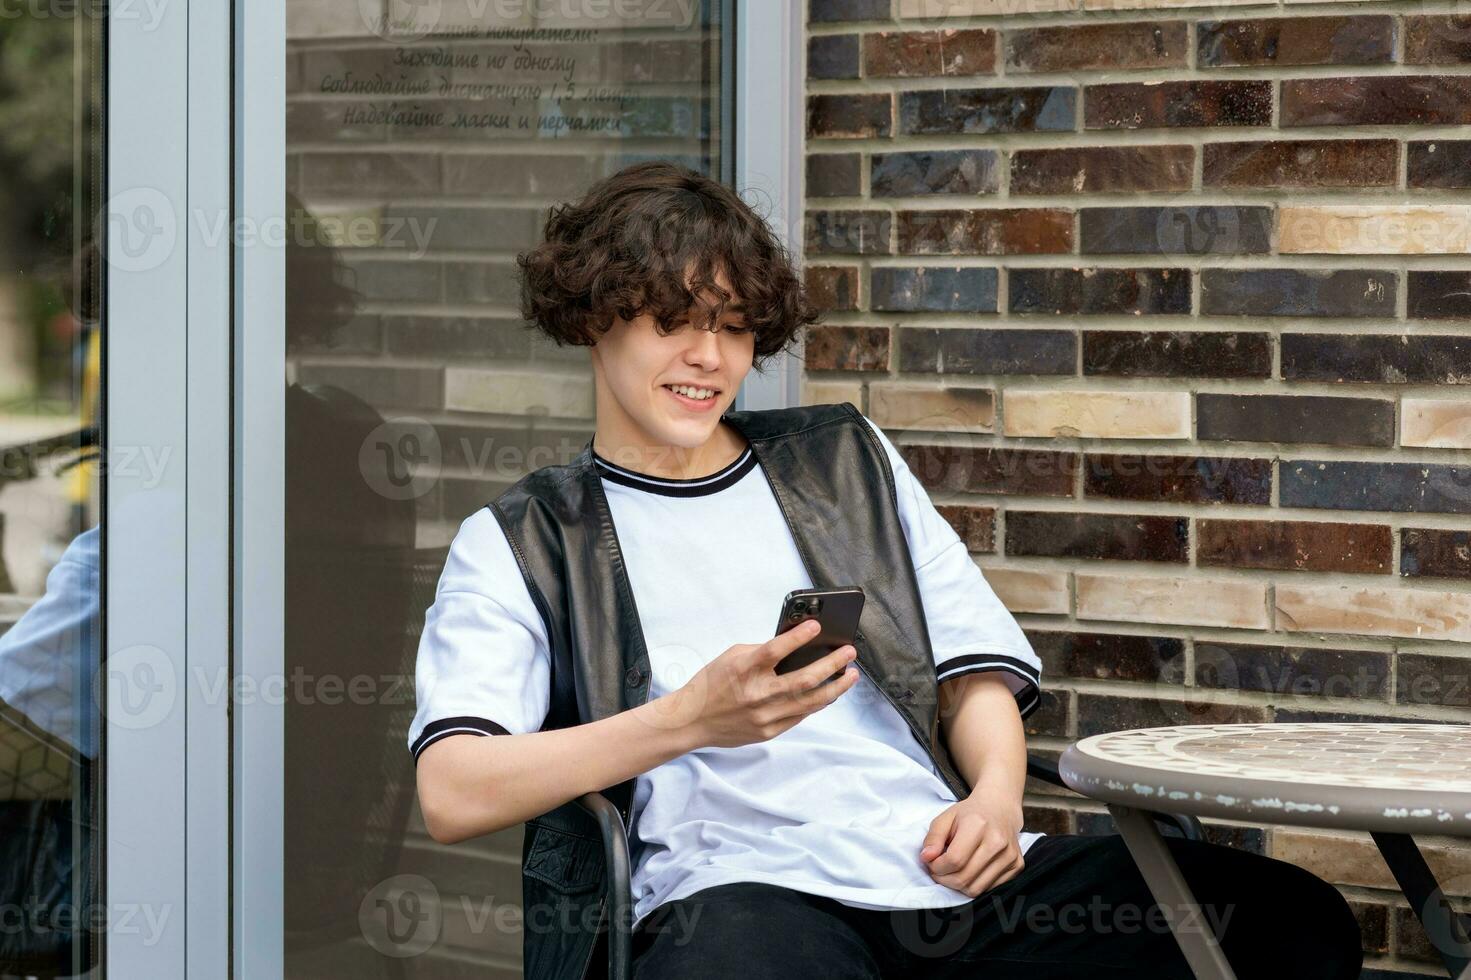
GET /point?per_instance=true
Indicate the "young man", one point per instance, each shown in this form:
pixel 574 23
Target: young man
pixel 609 622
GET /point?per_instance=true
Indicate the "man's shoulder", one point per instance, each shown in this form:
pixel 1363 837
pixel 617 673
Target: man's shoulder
pixel 772 423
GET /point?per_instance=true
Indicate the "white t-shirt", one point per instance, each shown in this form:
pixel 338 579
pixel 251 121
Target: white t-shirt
pixel 838 804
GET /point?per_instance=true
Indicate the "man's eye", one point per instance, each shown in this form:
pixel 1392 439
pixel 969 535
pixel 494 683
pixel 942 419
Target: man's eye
pixel 738 328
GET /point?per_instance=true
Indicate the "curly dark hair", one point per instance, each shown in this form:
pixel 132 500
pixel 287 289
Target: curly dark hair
pixel 625 249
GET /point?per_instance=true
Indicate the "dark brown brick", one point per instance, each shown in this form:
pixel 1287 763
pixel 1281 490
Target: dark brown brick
pixel 987 110
pixel 1303 546
pixel 832 56
pixel 1177 354
pixel 1099 291
pixel 1388 100
pixel 1099 169
pixel 1178 479
pixel 933 289
pixel 1373 920
pixel 1046 819
pixel 1412 942
pixel 1412 488
pixel 1298 292
pixel 1293 670
pixel 976 526
pixel 849 116
pixel 1099 713
pixel 1137 105
pixel 1187 229
pixel 1381 359
pixel 967 350
pixel 829 11
pixel 1109 656
pixel 1438 163
pixel 1437 39
pixel 1051 716
pixel 1439 295
pixel 1321 716
pixel 1435 552
pixel 928 54
pixel 1295 41
pixel 832 287
pixel 1422 678
pixel 988 231
pixel 834 175
pixel 1301 163
pixel 833 348
pixel 988 469
pixel 1123 537
pixel 935 172
pixel 1091 47
pixel 1321 419
pixel 847 232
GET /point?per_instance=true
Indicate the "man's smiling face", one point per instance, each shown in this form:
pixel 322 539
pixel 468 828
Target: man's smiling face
pixel 636 369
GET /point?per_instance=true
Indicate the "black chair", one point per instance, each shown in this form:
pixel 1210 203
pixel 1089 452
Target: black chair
pixel 620 890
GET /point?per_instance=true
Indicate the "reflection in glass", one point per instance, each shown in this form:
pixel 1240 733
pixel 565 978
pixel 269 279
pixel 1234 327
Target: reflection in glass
pixel 51 76
pixel 425 144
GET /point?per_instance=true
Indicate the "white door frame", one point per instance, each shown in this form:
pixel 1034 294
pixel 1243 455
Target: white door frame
pixel 165 491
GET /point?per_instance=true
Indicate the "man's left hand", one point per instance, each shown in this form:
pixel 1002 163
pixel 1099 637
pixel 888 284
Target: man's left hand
pixel 973 846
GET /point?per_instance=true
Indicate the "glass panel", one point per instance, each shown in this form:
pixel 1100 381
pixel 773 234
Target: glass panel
pixel 51 75
pixel 425 144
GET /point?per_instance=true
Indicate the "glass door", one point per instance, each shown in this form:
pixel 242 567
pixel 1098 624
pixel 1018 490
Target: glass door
pixel 52 324
pixel 411 151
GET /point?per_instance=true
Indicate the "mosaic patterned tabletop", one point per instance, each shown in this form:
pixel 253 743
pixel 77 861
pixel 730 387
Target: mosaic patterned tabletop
pixel 1370 775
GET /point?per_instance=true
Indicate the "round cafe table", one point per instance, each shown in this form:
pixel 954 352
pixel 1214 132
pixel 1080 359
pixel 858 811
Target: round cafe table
pixel 1392 780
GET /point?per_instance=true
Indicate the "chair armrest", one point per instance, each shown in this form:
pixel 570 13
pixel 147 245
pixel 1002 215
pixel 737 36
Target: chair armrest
pixel 1188 824
pixel 619 885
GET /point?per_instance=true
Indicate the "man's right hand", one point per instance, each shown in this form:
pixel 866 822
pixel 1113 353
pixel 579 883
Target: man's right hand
pixel 739 698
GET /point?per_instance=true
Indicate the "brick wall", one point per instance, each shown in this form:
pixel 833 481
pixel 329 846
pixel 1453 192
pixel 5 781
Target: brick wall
pixel 1166 307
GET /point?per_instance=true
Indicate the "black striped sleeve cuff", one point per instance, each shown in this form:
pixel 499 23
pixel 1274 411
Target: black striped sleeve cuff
pixel 445 727
pixel 1028 696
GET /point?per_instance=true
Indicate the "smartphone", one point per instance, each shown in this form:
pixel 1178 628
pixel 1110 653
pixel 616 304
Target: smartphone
pixel 836 610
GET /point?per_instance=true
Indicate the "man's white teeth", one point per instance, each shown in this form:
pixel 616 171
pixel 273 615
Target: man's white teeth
pixel 689 392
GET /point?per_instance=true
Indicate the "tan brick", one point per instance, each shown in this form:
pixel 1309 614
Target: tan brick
pixel 1437 423
pixel 1156 4
pixel 1355 860
pixel 1414 613
pixel 518 392
pixel 1161 599
pixel 1024 591
pixel 1097 414
pixel 926 408
pixel 940 10
pixel 832 393
pixel 1380 230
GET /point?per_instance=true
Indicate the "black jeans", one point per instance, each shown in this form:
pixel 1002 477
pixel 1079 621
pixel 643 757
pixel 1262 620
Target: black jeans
pixel 1080 908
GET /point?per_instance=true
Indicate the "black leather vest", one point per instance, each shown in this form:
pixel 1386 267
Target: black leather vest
pixel 833 484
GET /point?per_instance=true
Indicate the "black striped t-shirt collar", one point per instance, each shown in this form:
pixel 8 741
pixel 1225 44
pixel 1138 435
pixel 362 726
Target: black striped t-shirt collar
pixel 725 477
